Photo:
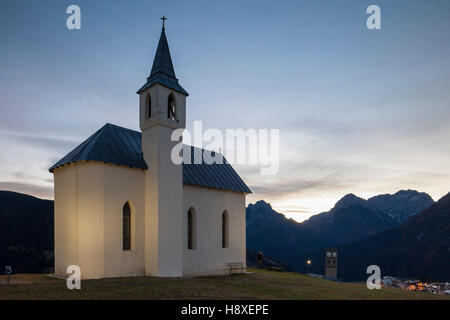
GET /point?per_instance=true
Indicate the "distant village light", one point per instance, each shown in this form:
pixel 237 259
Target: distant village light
pixel 308 262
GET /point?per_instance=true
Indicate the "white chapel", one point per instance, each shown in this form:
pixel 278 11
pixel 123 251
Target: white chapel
pixel 124 208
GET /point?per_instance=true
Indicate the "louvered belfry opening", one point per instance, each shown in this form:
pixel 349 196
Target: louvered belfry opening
pixel 171 107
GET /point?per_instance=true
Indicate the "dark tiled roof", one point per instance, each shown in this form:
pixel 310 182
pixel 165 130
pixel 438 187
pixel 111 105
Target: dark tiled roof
pixel 111 144
pixel 163 62
pixel 162 69
pixel 219 176
pixel 164 80
pixel 117 145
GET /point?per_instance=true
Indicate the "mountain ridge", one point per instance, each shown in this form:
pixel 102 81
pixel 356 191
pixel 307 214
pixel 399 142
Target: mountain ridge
pixel 26 232
pixel 390 203
pixel 351 219
pixel 420 247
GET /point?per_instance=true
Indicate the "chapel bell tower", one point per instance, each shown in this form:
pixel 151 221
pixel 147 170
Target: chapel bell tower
pixel 162 101
pixel 331 263
pixel 162 109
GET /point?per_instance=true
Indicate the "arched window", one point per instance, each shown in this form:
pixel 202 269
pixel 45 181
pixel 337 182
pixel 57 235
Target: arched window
pixel 171 107
pixel 191 228
pixel 148 106
pixel 225 229
pixel 128 226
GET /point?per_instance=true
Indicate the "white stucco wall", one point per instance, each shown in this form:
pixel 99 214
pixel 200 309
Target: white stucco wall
pixel 164 179
pixel 122 184
pixel 208 256
pixel 65 180
pixel 79 219
pixel 89 197
pixel 164 182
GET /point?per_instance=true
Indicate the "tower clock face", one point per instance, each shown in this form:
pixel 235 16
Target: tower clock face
pixel 328 254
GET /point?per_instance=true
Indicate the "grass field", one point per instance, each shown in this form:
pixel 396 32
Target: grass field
pixel 256 285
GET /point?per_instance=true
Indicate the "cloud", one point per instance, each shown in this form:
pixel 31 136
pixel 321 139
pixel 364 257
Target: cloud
pixel 42 142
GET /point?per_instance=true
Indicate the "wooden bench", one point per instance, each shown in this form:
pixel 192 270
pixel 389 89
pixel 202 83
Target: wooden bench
pixel 236 266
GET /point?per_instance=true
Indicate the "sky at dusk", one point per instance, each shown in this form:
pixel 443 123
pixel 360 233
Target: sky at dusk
pixel 359 111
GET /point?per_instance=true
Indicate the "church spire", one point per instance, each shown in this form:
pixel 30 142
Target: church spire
pixel 163 62
pixel 162 69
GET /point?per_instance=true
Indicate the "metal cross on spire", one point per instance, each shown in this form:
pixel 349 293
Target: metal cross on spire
pixel 163 18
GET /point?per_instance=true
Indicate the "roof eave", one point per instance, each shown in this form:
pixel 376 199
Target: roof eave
pixel 146 86
pixel 217 188
pixel 52 169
